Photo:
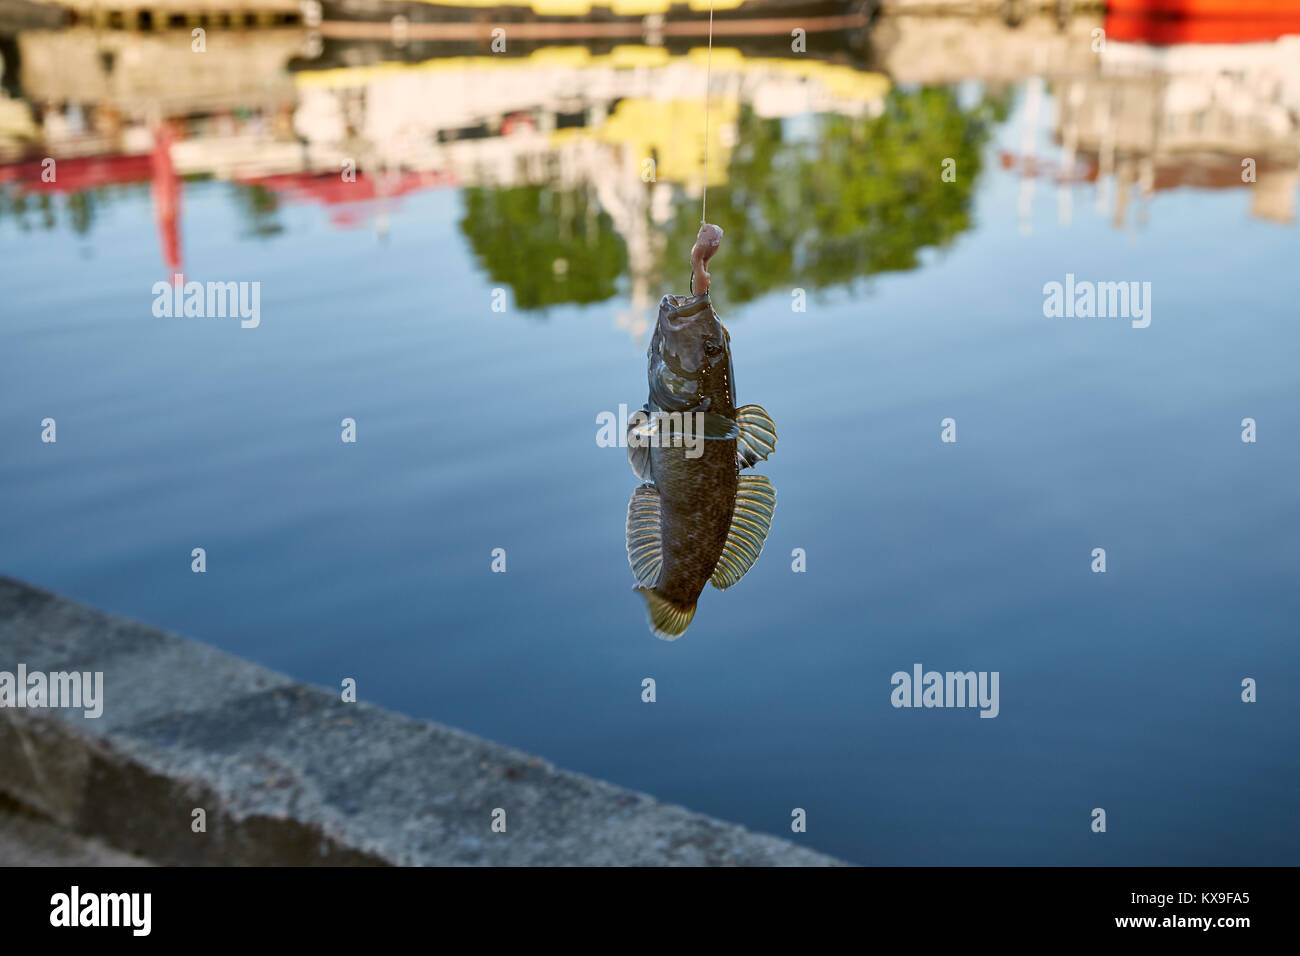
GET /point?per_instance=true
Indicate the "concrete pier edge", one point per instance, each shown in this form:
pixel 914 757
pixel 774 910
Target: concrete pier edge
pixel 289 774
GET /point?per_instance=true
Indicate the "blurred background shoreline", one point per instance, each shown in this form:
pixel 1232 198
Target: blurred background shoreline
pixel 282 99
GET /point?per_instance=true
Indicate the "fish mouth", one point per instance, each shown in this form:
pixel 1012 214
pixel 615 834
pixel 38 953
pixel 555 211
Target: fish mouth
pixel 688 334
pixel 678 312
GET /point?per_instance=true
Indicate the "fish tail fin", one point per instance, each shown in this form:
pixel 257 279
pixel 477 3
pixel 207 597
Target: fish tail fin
pixel 668 620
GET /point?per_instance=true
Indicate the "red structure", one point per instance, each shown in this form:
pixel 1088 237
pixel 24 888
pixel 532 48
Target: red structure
pixel 351 201
pixel 167 192
pixel 1168 22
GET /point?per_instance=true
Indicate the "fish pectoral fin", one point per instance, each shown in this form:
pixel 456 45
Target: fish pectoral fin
pixel 664 429
pixel 638 446
pixel 757 436
pixel 719 426
pixel 750 522
pixel 644 537
pixel 666 426
pixel 668 620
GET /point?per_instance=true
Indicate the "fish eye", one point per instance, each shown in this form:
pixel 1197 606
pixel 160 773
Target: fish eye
pixel 712 348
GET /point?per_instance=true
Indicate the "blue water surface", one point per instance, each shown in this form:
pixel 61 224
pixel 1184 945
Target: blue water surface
pixel 476 430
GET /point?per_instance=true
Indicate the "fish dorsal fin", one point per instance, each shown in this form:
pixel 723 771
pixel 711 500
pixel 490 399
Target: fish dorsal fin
pixel 667 620
pixel 750 522
pixel 757 436
pixel 644 543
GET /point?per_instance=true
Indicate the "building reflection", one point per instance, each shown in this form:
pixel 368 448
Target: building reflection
pixel 580 166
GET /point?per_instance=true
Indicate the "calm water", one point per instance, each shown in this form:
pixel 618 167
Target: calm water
pixel 476 430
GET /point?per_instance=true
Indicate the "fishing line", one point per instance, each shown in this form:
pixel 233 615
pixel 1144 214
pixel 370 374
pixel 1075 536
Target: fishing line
pixel 708 72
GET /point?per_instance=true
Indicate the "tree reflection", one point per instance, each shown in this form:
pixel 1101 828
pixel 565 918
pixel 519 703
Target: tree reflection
pixel 810 203
pixel 549 246
pixel 859 196
pixel 260 210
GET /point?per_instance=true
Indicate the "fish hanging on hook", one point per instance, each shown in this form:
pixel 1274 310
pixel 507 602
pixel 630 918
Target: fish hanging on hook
pixel 697 519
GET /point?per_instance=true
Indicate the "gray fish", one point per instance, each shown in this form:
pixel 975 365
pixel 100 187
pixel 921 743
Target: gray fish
pixel 697 519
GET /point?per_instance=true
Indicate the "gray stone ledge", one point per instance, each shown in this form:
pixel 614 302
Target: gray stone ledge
pixel 289 774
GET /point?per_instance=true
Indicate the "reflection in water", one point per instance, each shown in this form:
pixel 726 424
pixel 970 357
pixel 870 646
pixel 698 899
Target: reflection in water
pixel 824 202
pixel 849 196
pixel 548 245
pixel 579 166
pixel 697 520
